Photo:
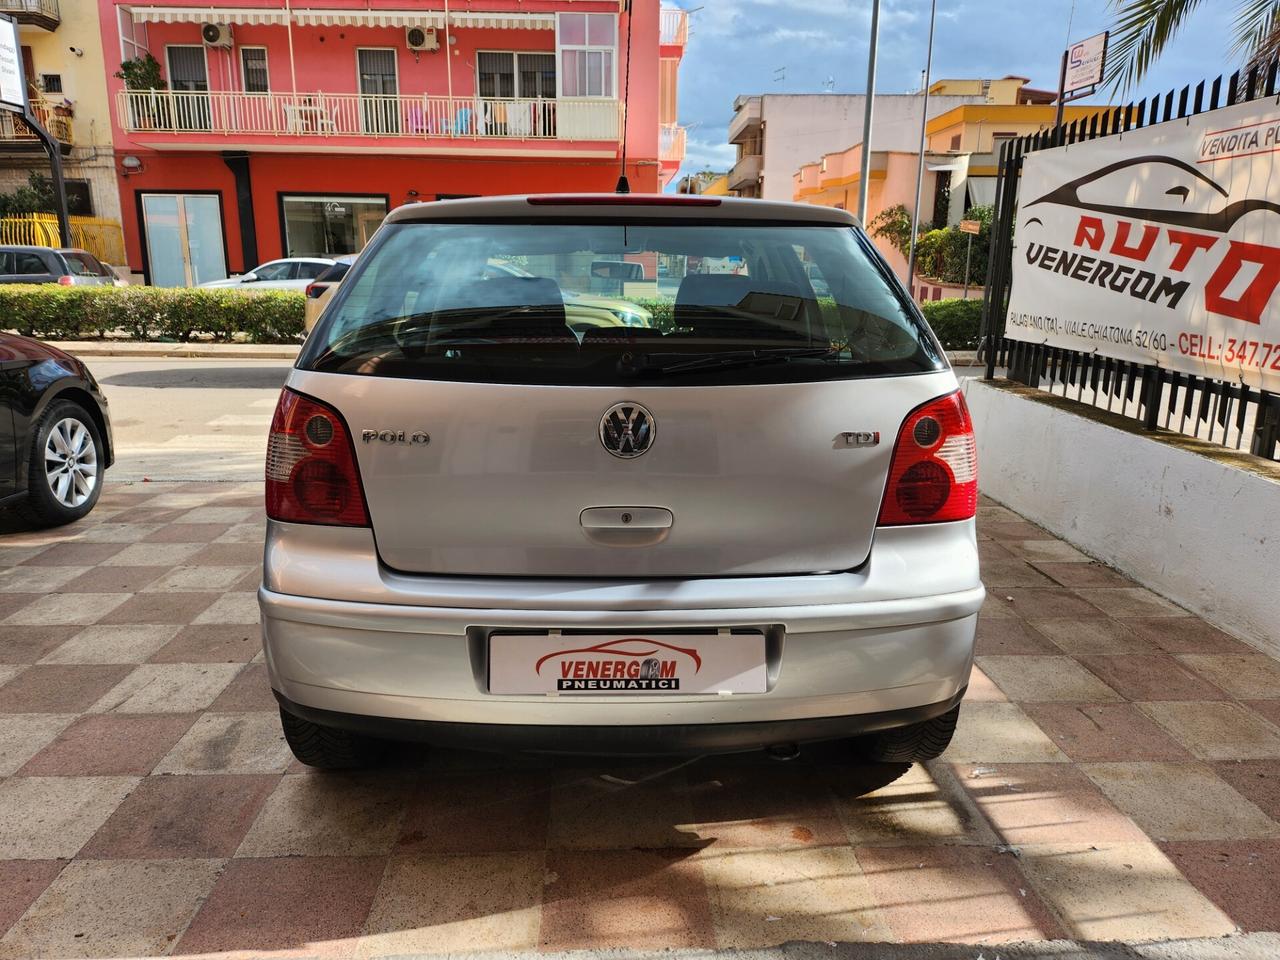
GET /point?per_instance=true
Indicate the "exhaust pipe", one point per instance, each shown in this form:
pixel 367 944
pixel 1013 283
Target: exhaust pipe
pixel 782 751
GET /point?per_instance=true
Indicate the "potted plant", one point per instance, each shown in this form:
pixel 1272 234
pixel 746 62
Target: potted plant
pixel 143 74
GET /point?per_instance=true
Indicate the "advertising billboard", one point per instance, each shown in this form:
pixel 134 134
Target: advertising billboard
pixel 1158 246
pixel 13 87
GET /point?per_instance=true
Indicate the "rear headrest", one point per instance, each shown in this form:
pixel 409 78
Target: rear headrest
pixel 504 292
pixel 543 315
pixel 779 305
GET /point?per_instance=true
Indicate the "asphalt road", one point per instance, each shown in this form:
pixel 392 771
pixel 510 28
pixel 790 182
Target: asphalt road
pixel 189 419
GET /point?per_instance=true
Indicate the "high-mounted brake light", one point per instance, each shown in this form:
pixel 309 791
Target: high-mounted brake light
pixel 624 200
pixel 934 474
pixel 312 475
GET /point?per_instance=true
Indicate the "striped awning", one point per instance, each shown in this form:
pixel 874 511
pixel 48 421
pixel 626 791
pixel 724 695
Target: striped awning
pixel 239 15
pixel 320 17
pixel 317 17
pixel 505 21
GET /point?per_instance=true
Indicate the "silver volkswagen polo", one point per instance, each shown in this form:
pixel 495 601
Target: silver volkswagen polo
pixel 498 520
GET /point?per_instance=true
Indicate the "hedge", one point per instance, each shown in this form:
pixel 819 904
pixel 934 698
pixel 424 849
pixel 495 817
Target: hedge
pixel 54 312
pixel 957 322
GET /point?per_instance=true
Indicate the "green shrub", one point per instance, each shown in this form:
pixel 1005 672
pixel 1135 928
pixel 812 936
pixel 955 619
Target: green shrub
pixel 957 322
pixel 663 311
pixel 940 254
pixel 52 312
pixel 893 224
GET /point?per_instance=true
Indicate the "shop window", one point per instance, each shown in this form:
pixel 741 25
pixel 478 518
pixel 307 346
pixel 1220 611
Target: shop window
pixel 587 44
pixel 323 226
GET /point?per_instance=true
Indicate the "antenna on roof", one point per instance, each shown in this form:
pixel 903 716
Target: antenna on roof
pixel 779 74
pixel 624 185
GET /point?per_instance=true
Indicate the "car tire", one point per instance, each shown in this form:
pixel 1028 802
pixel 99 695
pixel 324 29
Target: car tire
pixel 915 743
pixel 328 748
pixel 65 464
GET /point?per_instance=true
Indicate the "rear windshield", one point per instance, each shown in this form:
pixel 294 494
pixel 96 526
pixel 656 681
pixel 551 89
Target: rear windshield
pixel 614 304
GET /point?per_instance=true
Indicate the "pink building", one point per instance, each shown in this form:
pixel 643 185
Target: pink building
pixel 291 128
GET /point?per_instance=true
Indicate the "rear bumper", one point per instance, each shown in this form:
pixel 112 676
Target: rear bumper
pixel 846 652
pixel 616 740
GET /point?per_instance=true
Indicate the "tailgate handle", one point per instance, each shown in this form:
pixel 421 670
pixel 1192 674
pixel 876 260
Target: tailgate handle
pixel 626 526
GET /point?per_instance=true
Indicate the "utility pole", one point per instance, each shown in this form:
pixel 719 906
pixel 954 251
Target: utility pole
pixel 924 123
pixel 866 119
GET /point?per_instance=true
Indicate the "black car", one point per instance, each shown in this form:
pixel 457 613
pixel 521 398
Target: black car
pixel 55 435
pixel 67 266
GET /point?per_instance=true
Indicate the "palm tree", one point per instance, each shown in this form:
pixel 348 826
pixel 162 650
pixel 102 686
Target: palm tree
pixel 1143 28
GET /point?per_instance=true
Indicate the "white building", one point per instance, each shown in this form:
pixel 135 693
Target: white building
pixel 776 134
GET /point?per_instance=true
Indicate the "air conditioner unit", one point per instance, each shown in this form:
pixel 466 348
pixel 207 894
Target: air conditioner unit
pixel 417 38
pixel 216 34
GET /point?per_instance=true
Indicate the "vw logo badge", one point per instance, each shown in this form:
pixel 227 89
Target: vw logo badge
pixel 627 430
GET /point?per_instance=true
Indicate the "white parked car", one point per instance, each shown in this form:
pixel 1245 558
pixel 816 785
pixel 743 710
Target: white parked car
pixel 749 524
pixel 289 273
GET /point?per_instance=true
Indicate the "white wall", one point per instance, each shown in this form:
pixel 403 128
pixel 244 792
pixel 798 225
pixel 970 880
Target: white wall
pixel 1198 531
pixel 800 128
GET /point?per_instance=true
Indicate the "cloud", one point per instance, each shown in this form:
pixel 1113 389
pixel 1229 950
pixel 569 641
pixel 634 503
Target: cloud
pixel 737 46
pixel 708 155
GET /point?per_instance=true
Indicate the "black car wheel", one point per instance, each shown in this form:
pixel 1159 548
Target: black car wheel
pixel 65 465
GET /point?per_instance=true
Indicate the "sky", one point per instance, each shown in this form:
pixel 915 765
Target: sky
pixel 808 46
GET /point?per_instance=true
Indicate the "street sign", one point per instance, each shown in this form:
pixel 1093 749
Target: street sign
pixel 13 86
pixel 1085 62
pixel 971 226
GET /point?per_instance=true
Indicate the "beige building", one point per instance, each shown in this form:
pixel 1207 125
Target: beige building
pixel 961 155
pixel 62 54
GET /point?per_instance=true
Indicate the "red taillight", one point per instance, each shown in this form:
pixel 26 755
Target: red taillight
pixel 311 292
pixel 934 474
pixel 65 280
pixel 311 466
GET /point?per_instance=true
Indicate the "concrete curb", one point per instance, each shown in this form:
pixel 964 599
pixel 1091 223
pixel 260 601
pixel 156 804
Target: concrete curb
pixel 185 351
pixel 1254 946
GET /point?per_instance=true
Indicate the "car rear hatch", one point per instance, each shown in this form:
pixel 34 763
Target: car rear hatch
pixel 747 430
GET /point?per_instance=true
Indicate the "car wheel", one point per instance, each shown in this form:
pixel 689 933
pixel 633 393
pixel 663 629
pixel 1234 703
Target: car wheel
pixel 328 748
pixel 65 468
pixel 915 743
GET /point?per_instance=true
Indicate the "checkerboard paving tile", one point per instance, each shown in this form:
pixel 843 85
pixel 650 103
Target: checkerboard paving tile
pixel 111 909
pixel 1116 774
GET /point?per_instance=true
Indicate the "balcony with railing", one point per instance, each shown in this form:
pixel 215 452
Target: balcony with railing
pixel 745 174
pixel 17 137
pixel 673 27
pixel 748 114
pixel 671 143
pixel 39 13
pixel 186 115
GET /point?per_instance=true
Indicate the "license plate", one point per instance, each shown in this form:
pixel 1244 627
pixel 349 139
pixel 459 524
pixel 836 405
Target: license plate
pixel 627 663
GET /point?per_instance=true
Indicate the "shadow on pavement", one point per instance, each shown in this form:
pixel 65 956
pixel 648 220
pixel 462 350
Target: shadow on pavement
pixel 236 378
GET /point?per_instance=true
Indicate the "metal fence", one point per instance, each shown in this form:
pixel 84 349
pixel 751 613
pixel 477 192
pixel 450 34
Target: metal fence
pixel 1231 414
pixel 100 236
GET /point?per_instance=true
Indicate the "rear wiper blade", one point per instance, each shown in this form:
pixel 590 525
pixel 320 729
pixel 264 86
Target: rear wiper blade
pixel 651 363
